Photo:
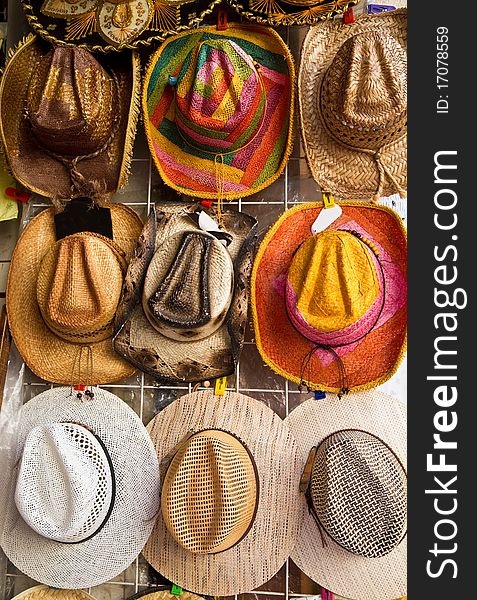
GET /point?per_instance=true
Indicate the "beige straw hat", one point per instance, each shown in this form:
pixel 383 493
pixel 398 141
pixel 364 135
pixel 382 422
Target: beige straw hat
pixel 43 592
pixel 62 297
pixel 352 89
pixel 153 594
pixel 353 539
pixel 231 506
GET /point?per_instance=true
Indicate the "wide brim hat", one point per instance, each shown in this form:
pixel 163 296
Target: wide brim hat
pixel 37 169
pixel 370 361
pixel 155 594
pixel 261 553
pixel 185 164
pixel 326 562
pixel 187 360
pixel 340 168
pixel 48 355
pixel 43 592
pixel 290 12
pixel 134 461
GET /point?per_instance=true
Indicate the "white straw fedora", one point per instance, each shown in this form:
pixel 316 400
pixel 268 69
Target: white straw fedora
pixel 353 540
pixel 230 507
pixel 82 499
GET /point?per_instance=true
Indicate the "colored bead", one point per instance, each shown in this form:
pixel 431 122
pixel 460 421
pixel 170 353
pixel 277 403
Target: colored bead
pixel 172 80
pixel 206 384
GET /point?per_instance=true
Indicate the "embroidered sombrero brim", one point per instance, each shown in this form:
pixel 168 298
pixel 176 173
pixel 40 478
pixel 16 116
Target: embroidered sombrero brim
pixel 339 169
pixel 369 362
pixel 329 564
pixel 43 592
pixel 248 170
pixel 49 356
pixel 37 170
pixel 261 553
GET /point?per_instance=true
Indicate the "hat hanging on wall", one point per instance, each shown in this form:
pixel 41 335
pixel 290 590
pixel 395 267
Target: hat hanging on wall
pixel 353 538
pixel 155 594
pixel 290 12
pixel 230 506
pixel 74 517
pixel 352 90
pixel 329 309
pixel 62 295
pixel 68 119
pixel 183 312
pixel 107 25
pixel 218 110
pixel 43 592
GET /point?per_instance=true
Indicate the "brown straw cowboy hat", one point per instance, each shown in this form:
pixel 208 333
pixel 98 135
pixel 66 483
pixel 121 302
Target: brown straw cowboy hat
pixel 68 119
pixel 230 504
pixel 182 316
pixel 353 539
pixel 352 89
pixel 62 296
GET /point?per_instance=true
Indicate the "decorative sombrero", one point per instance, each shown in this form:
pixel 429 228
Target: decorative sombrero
pixel 73 515
pixel 231 508
pixel 329 309
pixel 68 119
pixel 43 592
pixel 290 12
pixel 352 90
pixel 353 538
pixel 62 295
pixel 183 313
pixel 107 25
pixel 218 110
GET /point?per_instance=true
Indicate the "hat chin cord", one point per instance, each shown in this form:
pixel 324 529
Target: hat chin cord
pixel 76 378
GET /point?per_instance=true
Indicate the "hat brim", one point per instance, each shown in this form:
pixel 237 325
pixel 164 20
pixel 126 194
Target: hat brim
pixel 281 12
pixel 169 360
pixel 261 553
pixel 43 592
pixel 371 361
pixel 330 565
pixel 248 170
pixel 49 356
pixel 117 544
pixel 37 170
pixel 339 169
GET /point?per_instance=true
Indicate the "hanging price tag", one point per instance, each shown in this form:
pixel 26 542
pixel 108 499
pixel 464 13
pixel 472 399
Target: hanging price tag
pixel 220 386
pixel 328 214
pixel 176 590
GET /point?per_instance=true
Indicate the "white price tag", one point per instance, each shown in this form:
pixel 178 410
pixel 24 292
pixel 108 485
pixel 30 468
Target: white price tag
pixel 325 218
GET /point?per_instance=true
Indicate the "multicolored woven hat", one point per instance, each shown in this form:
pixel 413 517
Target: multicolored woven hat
pixel 353 538
pixel 352 91
pixel 218 110
pixel 230 506
pixel 183 313
pixel 73 515
pixel 62 296
pixel 43 592
pixel 67 120
pixel 106 25
pixel 329 308
pixel 290 12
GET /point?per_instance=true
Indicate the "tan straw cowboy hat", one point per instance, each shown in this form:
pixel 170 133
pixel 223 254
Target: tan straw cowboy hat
pixel 43 592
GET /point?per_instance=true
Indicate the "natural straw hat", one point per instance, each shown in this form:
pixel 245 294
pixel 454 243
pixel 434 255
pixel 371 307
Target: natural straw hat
pixel 352 90
pixel 43 592
pixel 62 296
pixel 74 517
pixel 352 540
pixel 329 309
pixel 67 119
pixel 218 110
pixel 239 472
pixel 5 342
pixel 153 594
pixel 183 312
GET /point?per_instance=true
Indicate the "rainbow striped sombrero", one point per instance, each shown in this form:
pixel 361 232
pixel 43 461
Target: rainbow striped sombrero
pixel 218 110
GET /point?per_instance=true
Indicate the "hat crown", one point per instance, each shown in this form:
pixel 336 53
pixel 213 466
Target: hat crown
pixel 210 492
pixel 70 102
pixel 364 91
pixel 64 488
pixel 220 100
pixel 358 491
pixel 79 286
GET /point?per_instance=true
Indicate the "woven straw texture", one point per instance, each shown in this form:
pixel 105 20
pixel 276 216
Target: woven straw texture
pixel 167 359
pixel 290 12
pixel 225 130
pixel 256 558
pixel 209 494
pixel 330 565
pixel 163 595
pixel 43 592
pixel 369 362
pixel 5 340
pixel 135 467
pixel 98 104
pixel 355 79
pixel 47 354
